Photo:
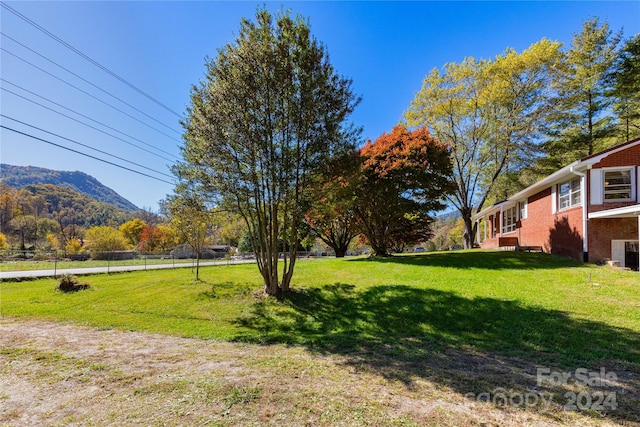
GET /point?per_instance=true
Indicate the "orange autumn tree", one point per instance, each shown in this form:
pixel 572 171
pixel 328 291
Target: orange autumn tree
pixel 151 238
pixel 404 177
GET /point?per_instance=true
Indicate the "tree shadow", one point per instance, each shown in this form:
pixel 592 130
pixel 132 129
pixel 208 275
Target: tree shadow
pixel 226 289
pixel 473 346
pixel 488 260
pixel 565 241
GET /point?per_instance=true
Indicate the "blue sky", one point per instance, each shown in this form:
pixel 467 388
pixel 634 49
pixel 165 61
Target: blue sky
pixel 160 47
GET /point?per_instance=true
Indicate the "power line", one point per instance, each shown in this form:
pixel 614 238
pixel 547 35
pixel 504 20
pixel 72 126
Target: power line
pixel 88 82
pixel 86 117
pixel 84 154
pixel 83 123
pixel 87 93
pixel 94 62
pixel 86 146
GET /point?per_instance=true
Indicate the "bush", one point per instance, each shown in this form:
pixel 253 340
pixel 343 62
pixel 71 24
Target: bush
pixel 70 283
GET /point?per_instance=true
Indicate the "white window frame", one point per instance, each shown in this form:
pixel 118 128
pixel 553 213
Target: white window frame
pixel 494 225
pixel 632 184
pixel 523 209
pixel 509 222
pixel 570 195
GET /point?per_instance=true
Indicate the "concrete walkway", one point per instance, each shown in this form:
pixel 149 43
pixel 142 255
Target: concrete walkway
pixel 111 269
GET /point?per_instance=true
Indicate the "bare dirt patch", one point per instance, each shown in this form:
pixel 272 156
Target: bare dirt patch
pixel 58 374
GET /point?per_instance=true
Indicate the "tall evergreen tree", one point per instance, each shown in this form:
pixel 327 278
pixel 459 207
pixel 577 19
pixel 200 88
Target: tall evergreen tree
pixel 582 124
pixel 626 89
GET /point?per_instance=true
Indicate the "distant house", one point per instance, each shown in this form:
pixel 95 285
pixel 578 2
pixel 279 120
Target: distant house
pixel 588 210
pixel 208 251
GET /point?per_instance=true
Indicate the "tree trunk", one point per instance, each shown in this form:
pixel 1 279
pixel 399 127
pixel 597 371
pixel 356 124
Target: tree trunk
pixel 197 265
pixel 470 232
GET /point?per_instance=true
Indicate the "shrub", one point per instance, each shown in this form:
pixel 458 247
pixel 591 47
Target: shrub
pixel 70 283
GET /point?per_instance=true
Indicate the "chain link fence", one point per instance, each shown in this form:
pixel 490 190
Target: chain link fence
pixel 52 260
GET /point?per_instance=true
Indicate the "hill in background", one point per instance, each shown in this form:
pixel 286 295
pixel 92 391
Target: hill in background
pixel 21 176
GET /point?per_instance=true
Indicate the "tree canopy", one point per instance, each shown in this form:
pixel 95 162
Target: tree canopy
pixel 404 176
pixel 269 112
pixel 490 112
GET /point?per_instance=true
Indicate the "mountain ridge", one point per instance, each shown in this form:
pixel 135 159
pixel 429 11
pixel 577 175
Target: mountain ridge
pixel 83 183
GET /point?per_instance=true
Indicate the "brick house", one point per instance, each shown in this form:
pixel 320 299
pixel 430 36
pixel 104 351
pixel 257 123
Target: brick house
pixel 588 210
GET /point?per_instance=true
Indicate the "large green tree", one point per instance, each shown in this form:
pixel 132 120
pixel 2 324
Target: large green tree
pixel 626 89
pixel 491 112
pixel 270 110
pixel 332 217
pixel 582 123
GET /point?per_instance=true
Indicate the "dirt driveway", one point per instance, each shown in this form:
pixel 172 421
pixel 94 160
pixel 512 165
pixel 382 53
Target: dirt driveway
pixel 55 374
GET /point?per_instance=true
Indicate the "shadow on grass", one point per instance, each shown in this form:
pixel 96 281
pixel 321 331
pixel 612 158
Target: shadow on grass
pixel 473 346
pixel 488 260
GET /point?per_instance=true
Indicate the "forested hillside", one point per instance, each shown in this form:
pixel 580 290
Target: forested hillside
pixel 20 176
pixel 49 213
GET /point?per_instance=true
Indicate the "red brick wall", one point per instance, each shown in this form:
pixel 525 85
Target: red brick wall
pixel 628 157
pixel 559 233
pixel 603 230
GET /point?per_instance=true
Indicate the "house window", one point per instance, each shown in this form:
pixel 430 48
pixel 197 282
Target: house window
pixel 509 219
pixel 495 226
pixel 618 184
pixel 569 194
pixel 523 210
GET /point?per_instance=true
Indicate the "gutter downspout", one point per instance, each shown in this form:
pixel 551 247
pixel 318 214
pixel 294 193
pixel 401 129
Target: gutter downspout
pixel 585 236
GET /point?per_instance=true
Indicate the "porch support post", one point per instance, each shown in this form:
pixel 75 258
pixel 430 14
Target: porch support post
pixel 484 223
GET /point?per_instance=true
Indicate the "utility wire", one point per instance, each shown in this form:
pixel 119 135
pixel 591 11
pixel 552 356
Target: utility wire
pixel 87 93
pixel 86 117
pixel 88 82
pixel 86 146
pixel 94 62
pixel 86 124
pixel 84 154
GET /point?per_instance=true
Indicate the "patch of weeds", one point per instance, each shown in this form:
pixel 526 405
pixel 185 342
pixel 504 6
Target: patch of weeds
pixel 70 283
pixel 241 395
pixel 97 367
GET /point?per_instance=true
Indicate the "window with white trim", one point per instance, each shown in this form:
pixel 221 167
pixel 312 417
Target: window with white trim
pixel 509 219
pixel 618 184
pixel 495 225
pixel 569 194
pixel 523 209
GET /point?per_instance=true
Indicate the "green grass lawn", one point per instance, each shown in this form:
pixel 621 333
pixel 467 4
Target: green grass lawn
pixel 516 303
pixel 439 316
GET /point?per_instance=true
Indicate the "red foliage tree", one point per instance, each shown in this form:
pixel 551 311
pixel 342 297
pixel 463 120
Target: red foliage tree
pixel 151 238
pixel 404 176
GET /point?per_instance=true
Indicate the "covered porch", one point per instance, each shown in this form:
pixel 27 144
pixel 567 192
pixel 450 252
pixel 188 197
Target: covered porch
pixel 496 226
